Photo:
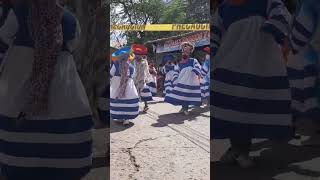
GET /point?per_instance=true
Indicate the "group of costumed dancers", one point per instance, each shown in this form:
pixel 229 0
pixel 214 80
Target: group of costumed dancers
pixel 265 73
pixel 134 80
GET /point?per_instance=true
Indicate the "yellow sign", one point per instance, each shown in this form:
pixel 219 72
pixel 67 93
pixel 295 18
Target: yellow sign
pixel 162 27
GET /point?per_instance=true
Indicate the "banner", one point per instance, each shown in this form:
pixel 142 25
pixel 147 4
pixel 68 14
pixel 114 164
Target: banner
pixel 199 39
pixel 162 27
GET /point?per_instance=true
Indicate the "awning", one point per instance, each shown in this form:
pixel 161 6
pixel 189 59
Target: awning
pixel 172 44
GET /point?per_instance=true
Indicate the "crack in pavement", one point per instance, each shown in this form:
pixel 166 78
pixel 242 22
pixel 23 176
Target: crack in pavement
pixel 133 158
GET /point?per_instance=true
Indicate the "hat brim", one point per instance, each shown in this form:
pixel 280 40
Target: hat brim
pixel 184 44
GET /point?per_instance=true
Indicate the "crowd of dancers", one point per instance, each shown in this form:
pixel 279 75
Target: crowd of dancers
pixel 265 72
pixel 134 80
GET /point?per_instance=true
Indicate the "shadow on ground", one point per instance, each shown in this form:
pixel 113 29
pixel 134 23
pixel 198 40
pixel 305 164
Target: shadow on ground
pixel 179 118
pixel 118 127
pixel 272 163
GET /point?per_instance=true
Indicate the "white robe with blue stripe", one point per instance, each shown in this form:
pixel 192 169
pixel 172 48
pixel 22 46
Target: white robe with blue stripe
pixel 186 90
pixel 170 72
pixel 205 81
pixel 303 65
pixel 250 92
pixel 128 106
pixel 58 143
pixel 152 85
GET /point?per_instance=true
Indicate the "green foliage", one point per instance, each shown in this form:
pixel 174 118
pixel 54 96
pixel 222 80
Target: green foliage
pixel 157 12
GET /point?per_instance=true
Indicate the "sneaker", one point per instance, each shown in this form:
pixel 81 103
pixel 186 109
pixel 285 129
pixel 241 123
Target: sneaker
pixel 186 112
pixel 228 157
pixel 126 122
pixel 244 161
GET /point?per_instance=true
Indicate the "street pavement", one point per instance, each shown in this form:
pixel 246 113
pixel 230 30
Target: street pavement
pixel 297 159
pixel 162 145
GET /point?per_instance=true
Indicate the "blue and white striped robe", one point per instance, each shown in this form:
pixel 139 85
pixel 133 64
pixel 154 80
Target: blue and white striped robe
pixel 170 73
pixel 186 90
pixel 205 83
pixel 56 145
pixel 128 106
pixel 153 87
pixel 250 93
pixel 303 66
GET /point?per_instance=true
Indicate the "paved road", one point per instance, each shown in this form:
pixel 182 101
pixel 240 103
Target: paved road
pixel 162 144
pixel 295 160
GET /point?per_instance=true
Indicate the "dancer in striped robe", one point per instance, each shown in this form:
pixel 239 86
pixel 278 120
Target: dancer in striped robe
pixel 205 81
pixel 170 73
pixel 186 91
pixel 303 65
pixel 142 74
pixel 250 92
pixel 124 99
pixel 152 84
pixel 45 115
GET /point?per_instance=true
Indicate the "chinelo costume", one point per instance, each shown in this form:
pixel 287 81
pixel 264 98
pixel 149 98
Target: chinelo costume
pixel 205 71
pixel 152 84
pixel 124 99
pixel 45 116
pixel 303 62
pixel 251 94
pixel 169 69
pixel 142 74
pixel 186 91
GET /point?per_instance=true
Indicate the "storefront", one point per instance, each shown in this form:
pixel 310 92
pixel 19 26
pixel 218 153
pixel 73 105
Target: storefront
pixel 172 44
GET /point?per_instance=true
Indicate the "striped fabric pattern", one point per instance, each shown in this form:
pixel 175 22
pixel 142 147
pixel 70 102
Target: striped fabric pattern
pixel 167 86
pixel 205 89
pixel 186 93
pixel 127 108
pixel 255 101
pixel 205 84
pixel 304 25
pixel 171 75
pixel 153 88
pixel 52 145
pixel 58 143
pixel 247 102
pixel 303 68
pixel 124 109
pixel 175 76
pixel 146 94
pixel 303 75
pixel 278 21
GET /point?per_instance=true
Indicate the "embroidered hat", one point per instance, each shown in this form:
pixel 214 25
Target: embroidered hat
pixel 123 53
pixel 139 49
pixel 184 44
